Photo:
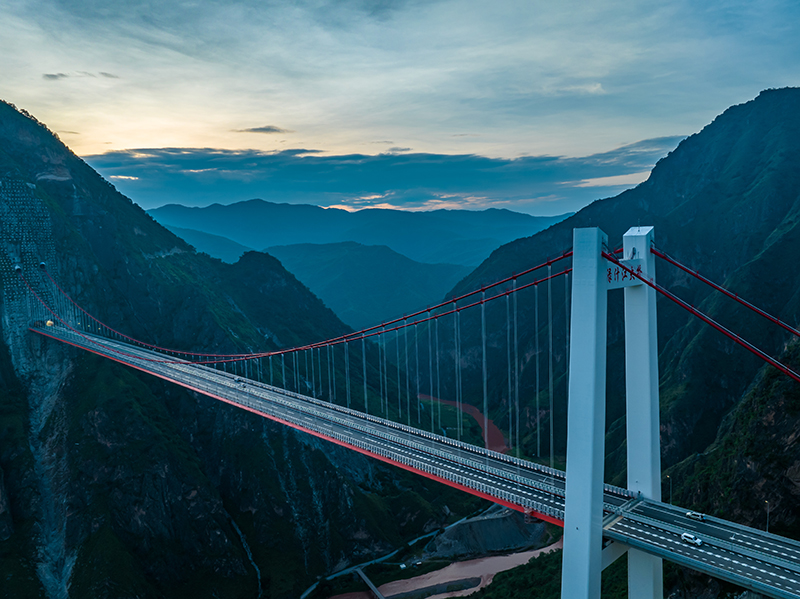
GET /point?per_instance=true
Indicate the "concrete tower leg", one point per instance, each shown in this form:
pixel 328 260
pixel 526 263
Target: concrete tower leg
pixel 583 520
pixel 645 578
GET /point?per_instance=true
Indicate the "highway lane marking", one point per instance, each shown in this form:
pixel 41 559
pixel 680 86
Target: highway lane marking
pixel 683 548
pixel 254 389
pixel 759 543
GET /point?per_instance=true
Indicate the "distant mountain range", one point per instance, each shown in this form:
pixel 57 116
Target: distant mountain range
pixel 361 283
pixel 462 237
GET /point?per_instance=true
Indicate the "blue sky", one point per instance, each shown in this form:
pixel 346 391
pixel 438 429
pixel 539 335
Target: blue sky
pixel 543 89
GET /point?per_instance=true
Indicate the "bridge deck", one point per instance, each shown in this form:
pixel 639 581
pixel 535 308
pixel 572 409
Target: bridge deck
pixel 753 559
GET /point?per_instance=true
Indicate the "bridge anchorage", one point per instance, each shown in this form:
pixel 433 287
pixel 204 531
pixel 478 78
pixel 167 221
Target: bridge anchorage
pixel 601 522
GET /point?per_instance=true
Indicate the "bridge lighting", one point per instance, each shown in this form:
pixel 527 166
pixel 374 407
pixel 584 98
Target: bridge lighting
pixel 670 489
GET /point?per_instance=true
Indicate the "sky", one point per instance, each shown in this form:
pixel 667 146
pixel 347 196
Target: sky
pixel 535 106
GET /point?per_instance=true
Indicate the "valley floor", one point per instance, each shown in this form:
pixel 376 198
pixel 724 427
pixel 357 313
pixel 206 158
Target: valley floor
pixel 483 569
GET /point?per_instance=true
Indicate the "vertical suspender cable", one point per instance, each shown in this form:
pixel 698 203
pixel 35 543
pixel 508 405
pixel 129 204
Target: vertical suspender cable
pixel 385 373
pixel 270 371
pixel 333 371
pixel 430 370
pixel 550 335
pixel 319 371
pixel 399 394
pixel 364 359
pixel 516 363
pixel 438 377
pixel 319 363
pixel 304 376
pixel 508 361
pixel 459 394
pixel 295 363
pixel 408 385
pixel 416 375
pixel 313 375
pixel 328 369
pixel 283 372
pixel 455 365
pixel 538 380
pixel 485 384
pixel 347 369
pixel 380 375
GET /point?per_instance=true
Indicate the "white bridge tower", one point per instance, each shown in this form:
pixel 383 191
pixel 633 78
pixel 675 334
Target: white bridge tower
pixel 593 276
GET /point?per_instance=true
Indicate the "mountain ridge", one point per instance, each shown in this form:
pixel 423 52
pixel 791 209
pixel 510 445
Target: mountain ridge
pixel 438 236
pixel 366 285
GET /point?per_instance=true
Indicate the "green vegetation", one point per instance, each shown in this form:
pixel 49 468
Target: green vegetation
pixel 752 460
pixel 540 578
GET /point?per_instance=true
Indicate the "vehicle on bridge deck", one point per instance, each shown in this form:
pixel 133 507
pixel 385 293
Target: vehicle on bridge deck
pixel 688 537
pixel 696 516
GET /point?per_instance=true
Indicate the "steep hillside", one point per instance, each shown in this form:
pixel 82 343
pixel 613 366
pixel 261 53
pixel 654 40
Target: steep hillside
pixel 440 236
pixel 114 484
pixel 753 464
pixel 725 202
pixel 366 285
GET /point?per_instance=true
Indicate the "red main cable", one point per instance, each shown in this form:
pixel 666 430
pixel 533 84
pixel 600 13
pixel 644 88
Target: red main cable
pixel 136 341
pixel 708 320
pixel 90 340
pixel 730 294
pixel 368 332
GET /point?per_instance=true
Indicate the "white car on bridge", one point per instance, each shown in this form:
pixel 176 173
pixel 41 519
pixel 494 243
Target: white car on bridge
pixel 688 537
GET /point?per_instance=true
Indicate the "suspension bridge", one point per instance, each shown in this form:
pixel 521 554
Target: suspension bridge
pixel 361 391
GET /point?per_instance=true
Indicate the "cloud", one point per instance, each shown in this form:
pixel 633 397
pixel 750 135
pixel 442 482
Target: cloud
pixel 500 78
pixel 397 150
pixel 544 185
pixel 264 129
pixel 57 76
